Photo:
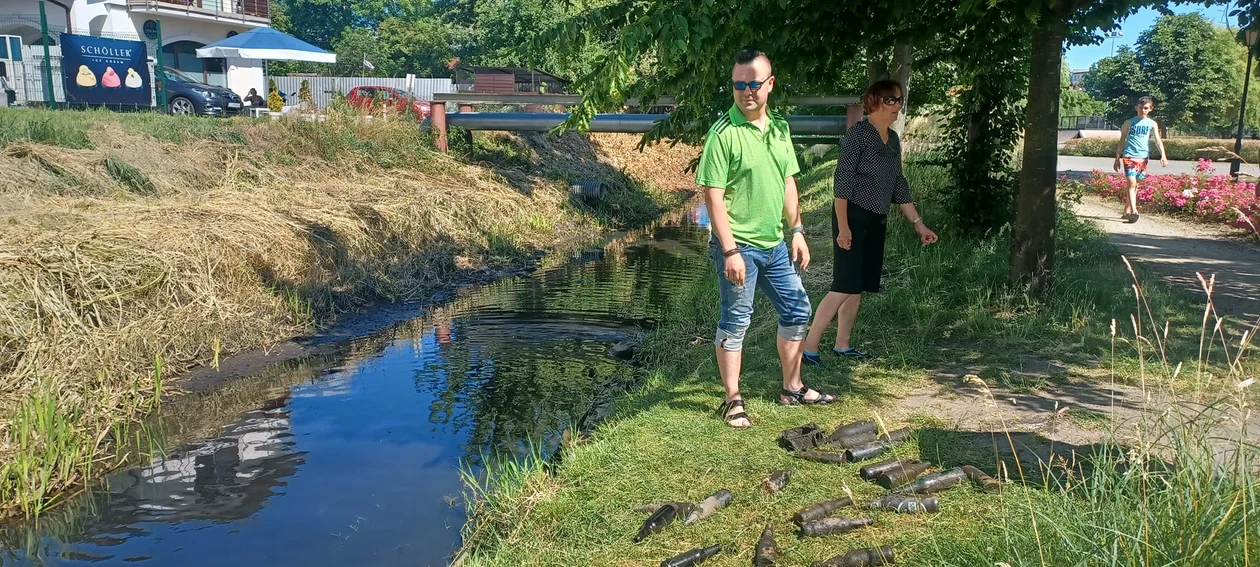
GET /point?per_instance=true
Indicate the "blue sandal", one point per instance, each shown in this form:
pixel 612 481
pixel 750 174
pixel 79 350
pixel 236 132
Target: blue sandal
pixel 852 353
pixel 811 359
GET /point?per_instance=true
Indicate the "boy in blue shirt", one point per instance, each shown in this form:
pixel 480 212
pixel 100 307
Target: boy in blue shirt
pixel 1133 151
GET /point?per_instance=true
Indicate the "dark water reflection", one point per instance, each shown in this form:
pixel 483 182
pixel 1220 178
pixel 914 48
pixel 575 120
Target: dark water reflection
pixel 353 457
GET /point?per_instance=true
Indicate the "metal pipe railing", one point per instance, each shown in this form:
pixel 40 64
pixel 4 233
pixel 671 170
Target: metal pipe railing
pixel 803 125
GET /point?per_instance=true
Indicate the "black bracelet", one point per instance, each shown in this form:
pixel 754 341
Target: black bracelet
pixel 731 252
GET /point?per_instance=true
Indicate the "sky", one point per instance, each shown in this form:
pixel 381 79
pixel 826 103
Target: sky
pixel 1081 57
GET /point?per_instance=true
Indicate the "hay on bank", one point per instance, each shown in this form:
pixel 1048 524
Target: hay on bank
pixel 237 241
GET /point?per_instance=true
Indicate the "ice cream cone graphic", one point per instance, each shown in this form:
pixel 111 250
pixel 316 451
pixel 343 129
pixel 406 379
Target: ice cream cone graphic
pixel 110 79
pixel 85 78
pixel 133 80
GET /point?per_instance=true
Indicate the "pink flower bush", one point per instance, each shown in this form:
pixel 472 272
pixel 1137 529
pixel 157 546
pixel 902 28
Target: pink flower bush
pixel 1205 196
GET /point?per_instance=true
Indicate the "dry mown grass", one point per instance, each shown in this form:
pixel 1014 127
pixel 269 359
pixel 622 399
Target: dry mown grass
pixel 134 257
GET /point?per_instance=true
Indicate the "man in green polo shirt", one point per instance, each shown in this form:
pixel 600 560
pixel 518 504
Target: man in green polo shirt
pixel 747 170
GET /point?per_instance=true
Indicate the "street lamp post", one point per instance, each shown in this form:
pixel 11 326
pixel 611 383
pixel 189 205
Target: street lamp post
pixel 1251 35
pixel 1113 35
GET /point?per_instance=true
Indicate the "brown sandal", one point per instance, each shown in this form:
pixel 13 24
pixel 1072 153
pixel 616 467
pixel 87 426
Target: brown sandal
pixel 730 405
pixel 798 398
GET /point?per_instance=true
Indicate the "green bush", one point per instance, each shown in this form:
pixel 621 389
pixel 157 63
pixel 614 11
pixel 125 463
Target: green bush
pixel 304 96
pixel 274 102
pixel 1188 149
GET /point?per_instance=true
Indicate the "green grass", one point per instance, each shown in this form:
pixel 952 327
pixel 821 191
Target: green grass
pixel 387 144
pixel 183 129
pixel 130 177
pixel 1188 149
pixel 1132 509
pixel 943 306
pixel 41 429
pixel 64 129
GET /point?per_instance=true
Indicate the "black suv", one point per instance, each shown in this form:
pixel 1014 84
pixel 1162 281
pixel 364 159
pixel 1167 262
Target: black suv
pixel 186 95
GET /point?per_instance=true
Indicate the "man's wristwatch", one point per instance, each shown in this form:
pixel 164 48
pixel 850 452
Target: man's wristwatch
pixel 800 229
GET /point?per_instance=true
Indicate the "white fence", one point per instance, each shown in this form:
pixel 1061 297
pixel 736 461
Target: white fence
pixel 322 88
pixel 28 75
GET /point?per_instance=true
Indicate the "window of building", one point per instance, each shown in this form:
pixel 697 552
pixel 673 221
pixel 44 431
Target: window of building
pixel 182 56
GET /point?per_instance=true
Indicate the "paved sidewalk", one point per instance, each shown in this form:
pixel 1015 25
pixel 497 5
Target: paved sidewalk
pixel 1175 250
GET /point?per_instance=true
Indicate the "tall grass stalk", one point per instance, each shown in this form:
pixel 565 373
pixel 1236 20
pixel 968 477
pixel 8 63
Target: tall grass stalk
pixel 947 309
pixel 1180 489
pixel 503 493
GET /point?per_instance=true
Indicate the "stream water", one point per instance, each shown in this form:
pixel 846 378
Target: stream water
pixel 353 457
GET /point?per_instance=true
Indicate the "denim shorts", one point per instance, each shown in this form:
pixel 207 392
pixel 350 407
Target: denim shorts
pixel 773 272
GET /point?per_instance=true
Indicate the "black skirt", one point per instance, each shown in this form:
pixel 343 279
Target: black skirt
pixel 859 268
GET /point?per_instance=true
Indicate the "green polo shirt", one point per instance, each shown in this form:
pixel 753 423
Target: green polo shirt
pixel 752 167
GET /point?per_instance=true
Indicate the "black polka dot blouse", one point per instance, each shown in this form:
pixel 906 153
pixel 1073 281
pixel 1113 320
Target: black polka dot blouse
pixel 868 173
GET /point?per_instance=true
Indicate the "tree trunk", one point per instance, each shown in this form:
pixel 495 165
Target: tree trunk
pixel 902 60
pixel 1032 240
pixel 876 67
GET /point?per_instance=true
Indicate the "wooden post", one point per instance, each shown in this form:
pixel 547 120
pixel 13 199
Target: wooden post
pixel 438 115
pixel 853 114
pixel 468 138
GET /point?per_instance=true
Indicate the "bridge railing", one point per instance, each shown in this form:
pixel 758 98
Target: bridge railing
pixel 627 123
pixel 1085 122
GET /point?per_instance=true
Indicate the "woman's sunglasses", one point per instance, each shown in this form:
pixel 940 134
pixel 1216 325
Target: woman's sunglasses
pixel 891 100
pixel 754 85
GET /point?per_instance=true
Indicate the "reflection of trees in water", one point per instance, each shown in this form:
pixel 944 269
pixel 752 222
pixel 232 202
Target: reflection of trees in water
pixel 226 478
pixel 528 357
pixel 637 283
pixel 503 395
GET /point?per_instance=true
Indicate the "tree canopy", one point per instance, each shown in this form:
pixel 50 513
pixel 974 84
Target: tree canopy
pixel 996 65
pixel 1007 55
pixel 1076 102
pixel 424 36
pixel 1192 68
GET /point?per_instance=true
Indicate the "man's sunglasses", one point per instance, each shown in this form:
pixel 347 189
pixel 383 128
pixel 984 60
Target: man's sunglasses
pixel 891 100
pixel 754 85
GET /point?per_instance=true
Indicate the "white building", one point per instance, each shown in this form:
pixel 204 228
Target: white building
pixel 1077 78
pixel 186 25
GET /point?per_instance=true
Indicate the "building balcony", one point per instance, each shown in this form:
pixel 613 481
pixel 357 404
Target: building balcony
pixel 245 11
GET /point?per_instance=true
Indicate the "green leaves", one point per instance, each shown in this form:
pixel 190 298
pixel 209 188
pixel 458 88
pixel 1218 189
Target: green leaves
pixel 1193 69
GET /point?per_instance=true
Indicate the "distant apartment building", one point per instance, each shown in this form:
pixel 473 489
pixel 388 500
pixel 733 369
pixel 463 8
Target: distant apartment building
pixel 1077 78
pixel 186 25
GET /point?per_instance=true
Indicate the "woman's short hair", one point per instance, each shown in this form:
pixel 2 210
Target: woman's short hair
pixel 876 93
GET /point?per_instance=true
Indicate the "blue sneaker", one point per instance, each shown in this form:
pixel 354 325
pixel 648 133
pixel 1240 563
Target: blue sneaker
pixel 811 359
pixel 852 353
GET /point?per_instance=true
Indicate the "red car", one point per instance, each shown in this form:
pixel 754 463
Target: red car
pixel 372 98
